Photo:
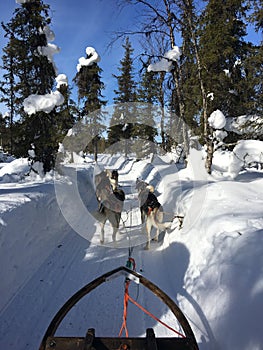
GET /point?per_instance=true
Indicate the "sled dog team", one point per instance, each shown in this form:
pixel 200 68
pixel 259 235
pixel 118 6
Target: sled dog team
pixel 111 199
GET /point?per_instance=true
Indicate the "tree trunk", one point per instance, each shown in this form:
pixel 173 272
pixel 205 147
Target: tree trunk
pixel 177 78
pixel 207 131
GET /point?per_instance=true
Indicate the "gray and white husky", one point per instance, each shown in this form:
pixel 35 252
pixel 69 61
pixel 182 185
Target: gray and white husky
pixel 110 199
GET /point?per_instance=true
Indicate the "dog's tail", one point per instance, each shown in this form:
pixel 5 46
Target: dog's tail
pixel 164 225
pixel 158 217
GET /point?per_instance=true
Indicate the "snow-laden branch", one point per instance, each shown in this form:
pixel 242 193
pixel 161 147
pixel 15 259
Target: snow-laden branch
pixel 45 103
pixel 166 63
pixel 93 57
pixel 50 49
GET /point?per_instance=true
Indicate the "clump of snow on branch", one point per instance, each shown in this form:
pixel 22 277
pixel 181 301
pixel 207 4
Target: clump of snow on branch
pixel 227 73
pixel 45 103
pixel 31 152
pixel 220 134
pixel 217 120
pixel 51 49
pixel 22 1
pixel 166 63
pixel 210 95
pixel 61 79
pixel 245 124
pixel 93 57
pixel 245 152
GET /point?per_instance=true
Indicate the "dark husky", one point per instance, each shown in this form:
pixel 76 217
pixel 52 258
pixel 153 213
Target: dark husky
pixel 110 199
pixel 151 210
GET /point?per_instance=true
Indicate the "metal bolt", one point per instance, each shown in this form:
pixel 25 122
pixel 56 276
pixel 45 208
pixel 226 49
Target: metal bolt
pixel 52 344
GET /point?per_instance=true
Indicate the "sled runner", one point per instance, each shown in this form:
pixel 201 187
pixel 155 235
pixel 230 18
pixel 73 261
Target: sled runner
pixel 186 341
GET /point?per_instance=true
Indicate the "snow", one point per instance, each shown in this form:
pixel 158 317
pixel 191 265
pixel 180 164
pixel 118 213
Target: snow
pixel 17 166
pixel 212 267
pixel 166 63
pixel 61 79
pixel 93 57
pixel 217 120
pixel 245 124
pixel 36 103
pixel 50 49
pixel 245 153
pixel 50 35
pixel 46 103
pixel 210 95
pixel 22 1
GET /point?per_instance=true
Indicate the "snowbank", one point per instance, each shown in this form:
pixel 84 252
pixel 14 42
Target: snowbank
pixel 246 152
pixel 14 170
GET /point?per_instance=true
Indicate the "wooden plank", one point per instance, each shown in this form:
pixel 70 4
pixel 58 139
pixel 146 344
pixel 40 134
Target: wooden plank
pixel 100 343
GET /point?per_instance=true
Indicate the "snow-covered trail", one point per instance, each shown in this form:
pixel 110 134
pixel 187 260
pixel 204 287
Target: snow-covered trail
pixel 212 267
pixel 48 262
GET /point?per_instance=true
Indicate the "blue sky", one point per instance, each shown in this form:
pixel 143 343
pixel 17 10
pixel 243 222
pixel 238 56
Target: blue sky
pixel 81 23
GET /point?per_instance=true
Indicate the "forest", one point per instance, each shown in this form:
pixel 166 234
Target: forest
pixel 168 97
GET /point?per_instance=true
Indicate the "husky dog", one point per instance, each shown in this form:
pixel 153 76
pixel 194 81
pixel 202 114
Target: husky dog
pixel 110 199
pixel 151 210
pixel 113 177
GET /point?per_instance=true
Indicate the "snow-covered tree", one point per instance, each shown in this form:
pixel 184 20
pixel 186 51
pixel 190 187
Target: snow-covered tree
pixel 223 49
pixel 148 93
pixel 30 71
pixel 125 96
pixel 90 87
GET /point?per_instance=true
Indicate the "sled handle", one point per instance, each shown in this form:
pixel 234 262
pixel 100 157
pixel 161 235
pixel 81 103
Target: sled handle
pixel 53 326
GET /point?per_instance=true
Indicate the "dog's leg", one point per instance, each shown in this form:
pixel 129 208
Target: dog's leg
pixel 142 216
pixel 157 234
pixel 114 234
pixel 102 232
pixel 114 219
pixel 148 232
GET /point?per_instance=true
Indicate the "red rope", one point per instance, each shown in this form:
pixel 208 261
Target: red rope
pixel 125 307
pixel 127 297
pixel 154 317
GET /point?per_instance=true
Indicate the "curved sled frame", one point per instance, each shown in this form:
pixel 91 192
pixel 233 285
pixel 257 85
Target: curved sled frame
pixel 132 275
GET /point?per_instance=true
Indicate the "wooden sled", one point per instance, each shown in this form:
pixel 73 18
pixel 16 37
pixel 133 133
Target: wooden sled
pixel 91 342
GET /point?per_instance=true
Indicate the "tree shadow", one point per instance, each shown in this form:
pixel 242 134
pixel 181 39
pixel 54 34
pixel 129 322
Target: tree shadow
pixel 178 256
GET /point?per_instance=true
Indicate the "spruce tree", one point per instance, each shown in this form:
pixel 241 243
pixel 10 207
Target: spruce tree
pixel 125 96
pixel 147 96
pixel 90 87
pixel 253 65
pixel 126 91
pixel 4 133
pixel 29 72
pixel 7 86
pixel 223 49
